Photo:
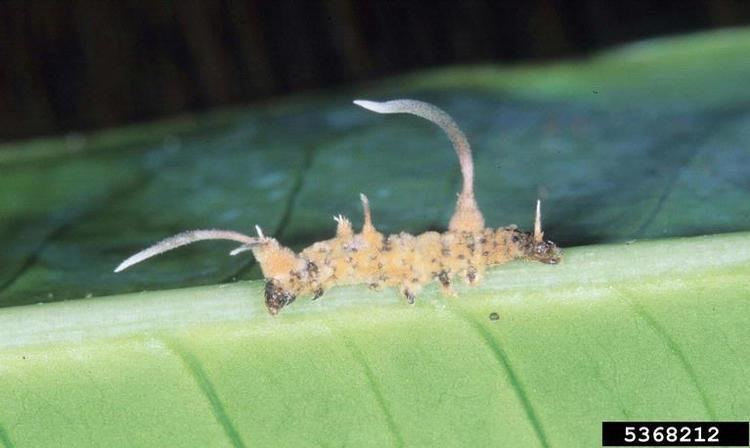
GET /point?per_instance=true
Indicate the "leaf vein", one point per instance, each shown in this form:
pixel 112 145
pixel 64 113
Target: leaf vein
pixel 193 366
pixel 374 386
pixel 672 345
pixel 491 341
pixel 5 438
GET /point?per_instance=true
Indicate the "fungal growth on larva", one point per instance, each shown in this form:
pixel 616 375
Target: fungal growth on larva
pixel 368 257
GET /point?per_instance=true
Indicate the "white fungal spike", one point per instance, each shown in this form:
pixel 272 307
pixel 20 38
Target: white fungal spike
pixel 184 238
pixel 239 250
pixel 538 234
pixel 467 217
pixel 367 224
pixel 259 231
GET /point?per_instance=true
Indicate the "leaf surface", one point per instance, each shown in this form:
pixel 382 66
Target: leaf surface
pixel 641 143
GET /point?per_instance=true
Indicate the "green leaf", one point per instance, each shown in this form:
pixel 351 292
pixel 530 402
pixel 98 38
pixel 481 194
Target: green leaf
pixel 653 330
pixel 640 143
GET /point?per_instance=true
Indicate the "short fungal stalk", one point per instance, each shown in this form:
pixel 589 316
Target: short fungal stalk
pixel 408 262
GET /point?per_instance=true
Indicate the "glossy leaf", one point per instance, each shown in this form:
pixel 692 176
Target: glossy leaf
pixel 645 142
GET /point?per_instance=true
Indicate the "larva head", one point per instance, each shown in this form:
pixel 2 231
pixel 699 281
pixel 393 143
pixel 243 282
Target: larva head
pixel 540 250
pixel 276 297
pixel 545 251
pixel 533 245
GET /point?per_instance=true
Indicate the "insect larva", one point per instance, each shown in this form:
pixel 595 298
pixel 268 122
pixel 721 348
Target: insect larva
pixel 377 260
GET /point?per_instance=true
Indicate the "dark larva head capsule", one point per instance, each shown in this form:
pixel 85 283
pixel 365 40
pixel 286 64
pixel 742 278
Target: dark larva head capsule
pixel 545 251
pixel 276 297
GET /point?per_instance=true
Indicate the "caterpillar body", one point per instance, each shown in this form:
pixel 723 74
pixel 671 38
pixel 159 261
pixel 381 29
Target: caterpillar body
pixel 402 260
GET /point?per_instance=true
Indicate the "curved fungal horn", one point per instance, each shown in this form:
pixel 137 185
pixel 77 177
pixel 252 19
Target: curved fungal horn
pixel 184 238
pixel 467 217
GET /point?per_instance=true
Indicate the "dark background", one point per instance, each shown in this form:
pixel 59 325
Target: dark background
pixel 80 65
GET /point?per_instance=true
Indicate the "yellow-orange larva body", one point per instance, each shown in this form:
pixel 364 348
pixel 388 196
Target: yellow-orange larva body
pixel 402 260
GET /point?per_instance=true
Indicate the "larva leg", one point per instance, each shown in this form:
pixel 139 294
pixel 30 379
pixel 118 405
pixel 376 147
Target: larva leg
pixel 445 282
pixel 472 275
pixel 410 291
pixel 410 296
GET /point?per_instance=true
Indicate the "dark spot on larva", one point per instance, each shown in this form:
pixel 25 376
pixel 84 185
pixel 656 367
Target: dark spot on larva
pixel 318 292
pixel 471 247
pixel 446 252
pixel 515 238
pixel 494 316
pixel 276 297
pixel 414 280
pixel 380 265
pixel 312 269
pixel 461 256
pixel 485 254
pixel 434 260
pixel 374 286
pixel 482 240
pixel 445 280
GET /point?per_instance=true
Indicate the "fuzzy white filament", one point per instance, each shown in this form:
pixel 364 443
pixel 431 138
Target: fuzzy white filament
pixel 184 238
